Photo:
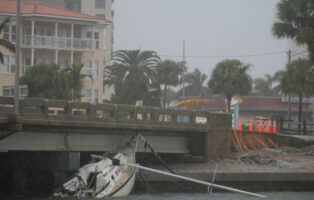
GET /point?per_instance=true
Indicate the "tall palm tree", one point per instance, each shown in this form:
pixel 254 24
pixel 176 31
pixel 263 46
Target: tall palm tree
pixel 168 74
pixel 5 43
pixel 131 74
pixel 298 79
pixel 295 21
pixel 230 78
pixel 195 84
pixel 74 78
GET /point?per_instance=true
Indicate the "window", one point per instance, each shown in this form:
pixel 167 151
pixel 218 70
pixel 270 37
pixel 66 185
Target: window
pixel 74 5
pixel 23 91
pixel 91 96
pixel 63 63
pixel 9 32
pixel 96 69
pixel 6 32
pixel 96 37
pixel 88 67
pixel 26 64
pixel 89 34
pixel 8 91
pixel 12 63
pixel 100 3
pixel 8 66
pixel 13 33
pixel 95 96
pixel 88 95
pixel 27 61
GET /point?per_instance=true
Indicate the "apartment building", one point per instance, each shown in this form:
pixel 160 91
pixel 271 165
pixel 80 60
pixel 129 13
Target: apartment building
pixel 51 34
pixel 99 8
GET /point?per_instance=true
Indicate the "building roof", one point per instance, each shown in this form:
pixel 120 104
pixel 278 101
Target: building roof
pixel 42 9
pixel 247 103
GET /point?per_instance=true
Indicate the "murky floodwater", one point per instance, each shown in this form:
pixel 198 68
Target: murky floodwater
pixel 198 196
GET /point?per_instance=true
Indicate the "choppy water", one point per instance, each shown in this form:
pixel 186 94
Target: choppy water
pixel 198 196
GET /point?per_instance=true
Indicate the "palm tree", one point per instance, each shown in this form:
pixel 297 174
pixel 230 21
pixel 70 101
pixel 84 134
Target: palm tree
pixel 75 78
pixel 46 81
pixel 298 79
pixel 131 74
pixel 264 86
pixel 276 81
pixel 195 84
pixel 230 78
pixel 168 72
pixel 295 21
pixel 5 43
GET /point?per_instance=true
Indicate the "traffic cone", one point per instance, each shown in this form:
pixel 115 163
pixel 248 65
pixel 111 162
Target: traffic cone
pixel 251 126
pixel 260 126
pixel 269 126
pixel 274 127
pixel 240 128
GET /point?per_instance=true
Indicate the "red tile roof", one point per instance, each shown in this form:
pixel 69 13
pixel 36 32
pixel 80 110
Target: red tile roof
pixel 35 8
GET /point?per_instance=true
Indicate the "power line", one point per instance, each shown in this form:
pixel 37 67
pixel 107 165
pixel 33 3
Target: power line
pixel 296 54
pixel 226 56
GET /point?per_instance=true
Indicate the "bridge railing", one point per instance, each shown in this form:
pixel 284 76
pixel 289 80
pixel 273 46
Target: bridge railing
pixel 82 111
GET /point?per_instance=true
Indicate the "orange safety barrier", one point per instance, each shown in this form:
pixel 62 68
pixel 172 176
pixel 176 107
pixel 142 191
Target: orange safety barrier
pixel 260 126
pixel 251 126
pixel 269 126
pixel 275 127
pixel 240 128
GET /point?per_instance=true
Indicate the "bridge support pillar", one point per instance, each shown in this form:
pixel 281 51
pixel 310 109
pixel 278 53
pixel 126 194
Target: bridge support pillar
pixel 216 140
pixel 216 144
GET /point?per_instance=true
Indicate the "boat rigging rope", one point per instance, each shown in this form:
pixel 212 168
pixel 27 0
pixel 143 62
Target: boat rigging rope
pixel 183 184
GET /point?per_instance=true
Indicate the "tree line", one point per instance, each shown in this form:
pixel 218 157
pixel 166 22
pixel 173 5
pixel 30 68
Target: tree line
pixel 137 75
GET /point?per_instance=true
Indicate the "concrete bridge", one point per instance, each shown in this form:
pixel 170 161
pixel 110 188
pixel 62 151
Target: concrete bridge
pixel 55 125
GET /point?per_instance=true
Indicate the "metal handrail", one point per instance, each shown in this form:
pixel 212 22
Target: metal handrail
pixel 60 42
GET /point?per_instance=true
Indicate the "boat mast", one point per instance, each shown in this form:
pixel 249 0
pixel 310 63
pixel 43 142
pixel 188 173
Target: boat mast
pixel 194 180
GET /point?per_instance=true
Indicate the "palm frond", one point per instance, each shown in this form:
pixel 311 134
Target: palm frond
pixel 8 45
pixel 1 57
pixel 4 23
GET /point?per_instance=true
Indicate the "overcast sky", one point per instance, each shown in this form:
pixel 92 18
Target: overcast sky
pixel 209 27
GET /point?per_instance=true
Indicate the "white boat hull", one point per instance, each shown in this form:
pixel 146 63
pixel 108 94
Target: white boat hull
pixel 127 188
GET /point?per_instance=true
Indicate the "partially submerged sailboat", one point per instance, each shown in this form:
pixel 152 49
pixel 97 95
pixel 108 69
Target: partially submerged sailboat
pixel 104 176
pixel 113 174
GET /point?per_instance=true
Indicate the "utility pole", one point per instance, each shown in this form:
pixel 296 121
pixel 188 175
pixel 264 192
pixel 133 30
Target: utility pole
pixel 183 66
pixel 289 95
pixel 17 59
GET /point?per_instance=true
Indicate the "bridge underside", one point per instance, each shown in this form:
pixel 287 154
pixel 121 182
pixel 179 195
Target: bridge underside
pixel 56 141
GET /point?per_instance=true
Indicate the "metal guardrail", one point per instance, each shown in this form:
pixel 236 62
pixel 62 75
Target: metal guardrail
pixel 82 111
pixel 296 128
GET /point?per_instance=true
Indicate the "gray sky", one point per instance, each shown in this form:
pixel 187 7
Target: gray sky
pixel 209 28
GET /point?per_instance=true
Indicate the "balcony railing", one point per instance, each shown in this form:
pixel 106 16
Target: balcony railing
pixel 90 100
pixel 60 42
pixel 9 36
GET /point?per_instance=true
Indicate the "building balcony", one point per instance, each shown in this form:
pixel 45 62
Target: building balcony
pixel 53 42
